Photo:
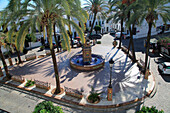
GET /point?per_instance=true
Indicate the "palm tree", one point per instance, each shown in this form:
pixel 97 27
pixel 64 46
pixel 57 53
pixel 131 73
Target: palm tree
pixel 152 10
pixel 120 15
pixel 12 8
pixel 128 3
pixel 45 13
pixel 2 35
pixel 94 7
pixel 123 9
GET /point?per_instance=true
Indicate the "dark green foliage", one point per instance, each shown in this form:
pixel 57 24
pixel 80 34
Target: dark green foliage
pixel 97 28
pixel 42 47
pixel 94 96
pixel 98 42
pixel 47 107
pixel 6 54
pixel 149 110
pixel 29 83
pixel 30 38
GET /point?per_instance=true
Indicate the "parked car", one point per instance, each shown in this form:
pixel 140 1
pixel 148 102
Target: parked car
pixel 164 68
pixel 95 36
pixel 125 35
pixel 77 41
pixel 112 33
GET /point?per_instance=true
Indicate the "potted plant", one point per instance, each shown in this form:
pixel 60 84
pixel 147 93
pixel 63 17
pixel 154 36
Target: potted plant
pixel 42 48
pixel 93 97
pixel 29 83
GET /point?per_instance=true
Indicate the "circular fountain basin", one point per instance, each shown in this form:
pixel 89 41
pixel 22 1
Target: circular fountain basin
pixel 96 62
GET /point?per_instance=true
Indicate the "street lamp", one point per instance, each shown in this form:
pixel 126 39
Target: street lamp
pixel 110 91
pixel 111 62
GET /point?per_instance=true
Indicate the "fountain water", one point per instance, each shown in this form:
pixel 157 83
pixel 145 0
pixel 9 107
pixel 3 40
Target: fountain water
pixel 87 61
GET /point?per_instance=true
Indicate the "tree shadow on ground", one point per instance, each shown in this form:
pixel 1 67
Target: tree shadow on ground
pixel 66 72
pixel 125 81
pixel 107 56
pixel 29 67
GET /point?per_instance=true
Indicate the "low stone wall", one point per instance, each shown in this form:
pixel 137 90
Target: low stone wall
pixel 30 57
pixel 73 92
pixel 48 52
pixel 18 78
pixel 43 85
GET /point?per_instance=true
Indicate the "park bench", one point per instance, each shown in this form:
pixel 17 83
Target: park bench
pixel 73 92
pixel 48 52
pixel 30 57
pixel 43 85
pixel 18 78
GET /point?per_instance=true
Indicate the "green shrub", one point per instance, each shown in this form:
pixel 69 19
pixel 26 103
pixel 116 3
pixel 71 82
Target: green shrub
pixel 6 54
pixel 98 42
pixel 149 110
pixel 29 83
pixel 42 47
pixel 47 107
pixel 30 38
pixel 167 39
pixel 97 28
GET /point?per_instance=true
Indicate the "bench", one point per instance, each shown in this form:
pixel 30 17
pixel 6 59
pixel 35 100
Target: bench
pixel 30 57
pixel 48 52
pixel 73 92
pixel 18 78
pixel 43 85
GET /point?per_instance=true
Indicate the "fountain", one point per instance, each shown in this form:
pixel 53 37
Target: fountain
pixel 86 61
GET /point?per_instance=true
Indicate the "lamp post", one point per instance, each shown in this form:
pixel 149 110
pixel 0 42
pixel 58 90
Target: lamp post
pixel 110 91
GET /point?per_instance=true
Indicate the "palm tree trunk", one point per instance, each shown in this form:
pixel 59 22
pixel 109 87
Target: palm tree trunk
pixel 4 64
pixel 70 33
pixel 147 47
pixel 55 38
pixel 132 43
pixel 121 34
pixel 133 49
pixel 58 90
pixel 93 23
pixel 18 55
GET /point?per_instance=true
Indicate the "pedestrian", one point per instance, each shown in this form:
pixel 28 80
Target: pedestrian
pixel 42 41
pixel 16 61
